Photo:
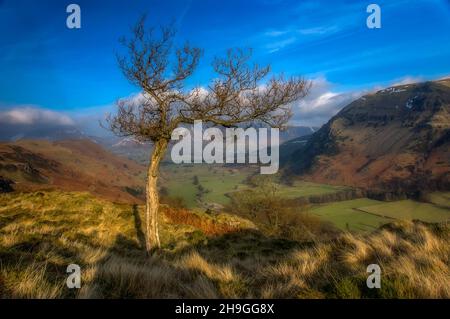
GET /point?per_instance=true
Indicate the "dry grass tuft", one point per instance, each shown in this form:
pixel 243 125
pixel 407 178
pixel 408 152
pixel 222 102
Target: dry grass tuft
pixel 41 234
pixel 208 225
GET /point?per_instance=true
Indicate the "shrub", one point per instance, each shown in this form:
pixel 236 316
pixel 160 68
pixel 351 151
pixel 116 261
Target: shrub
pixel 271 213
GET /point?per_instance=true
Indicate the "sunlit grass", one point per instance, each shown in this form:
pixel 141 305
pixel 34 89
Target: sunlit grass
pixel 203 256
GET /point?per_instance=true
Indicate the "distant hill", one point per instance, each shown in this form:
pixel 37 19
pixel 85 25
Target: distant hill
pixel 290 147
pixel 293 132
pixel 396 139
pixel 15 132
pixel 140 151
pixel 131 148
pixel 71 165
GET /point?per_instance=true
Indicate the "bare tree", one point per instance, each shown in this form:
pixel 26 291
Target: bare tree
pixel 238 94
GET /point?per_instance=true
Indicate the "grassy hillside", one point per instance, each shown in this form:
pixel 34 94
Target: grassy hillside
pixel 204 256
pixel 71 165
pixel 395 139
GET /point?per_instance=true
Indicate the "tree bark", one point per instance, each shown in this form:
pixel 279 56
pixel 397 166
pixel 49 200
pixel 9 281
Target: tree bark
pixel 152 198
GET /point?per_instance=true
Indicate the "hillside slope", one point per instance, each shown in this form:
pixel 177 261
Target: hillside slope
pixel 71 165
pixel 396 139
pixel 203 256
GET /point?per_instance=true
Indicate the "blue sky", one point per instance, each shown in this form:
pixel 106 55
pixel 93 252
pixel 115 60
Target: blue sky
pixel 43 64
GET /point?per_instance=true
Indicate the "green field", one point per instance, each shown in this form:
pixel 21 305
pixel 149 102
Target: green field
pixel 219 181
pixel 358 215
pixel 366 214
pixel 440 199
pixel 410 210
pixel 346 216
pixel 304 189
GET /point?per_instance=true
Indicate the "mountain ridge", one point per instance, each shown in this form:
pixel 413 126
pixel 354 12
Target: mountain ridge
pixel 396 138
pixel 71 165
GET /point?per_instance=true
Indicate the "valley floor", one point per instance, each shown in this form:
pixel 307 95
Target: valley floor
pixel 204 256
pixel 199 186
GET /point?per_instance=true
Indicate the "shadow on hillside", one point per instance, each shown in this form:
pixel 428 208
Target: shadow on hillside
pixel 126 271
pixel 138 226
pixel 241 264
pixel 199 266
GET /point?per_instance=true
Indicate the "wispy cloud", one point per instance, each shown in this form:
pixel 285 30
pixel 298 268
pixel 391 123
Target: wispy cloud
pixel 276 40
pixel 319 30
pixel 278 45
pixel 275 33
pixel 32 115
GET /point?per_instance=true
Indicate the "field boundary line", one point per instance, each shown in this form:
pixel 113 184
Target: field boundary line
pixel 370 213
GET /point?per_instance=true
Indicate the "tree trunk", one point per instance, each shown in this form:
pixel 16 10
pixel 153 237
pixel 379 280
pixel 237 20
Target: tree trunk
pixel 152 198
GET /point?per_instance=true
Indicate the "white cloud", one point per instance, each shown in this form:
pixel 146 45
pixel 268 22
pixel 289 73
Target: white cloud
pixel 281 38
pixel 31 115
pixel 275 33
pixel 321 104
pixel 324 101
pixel 278 45
pixel 319 30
